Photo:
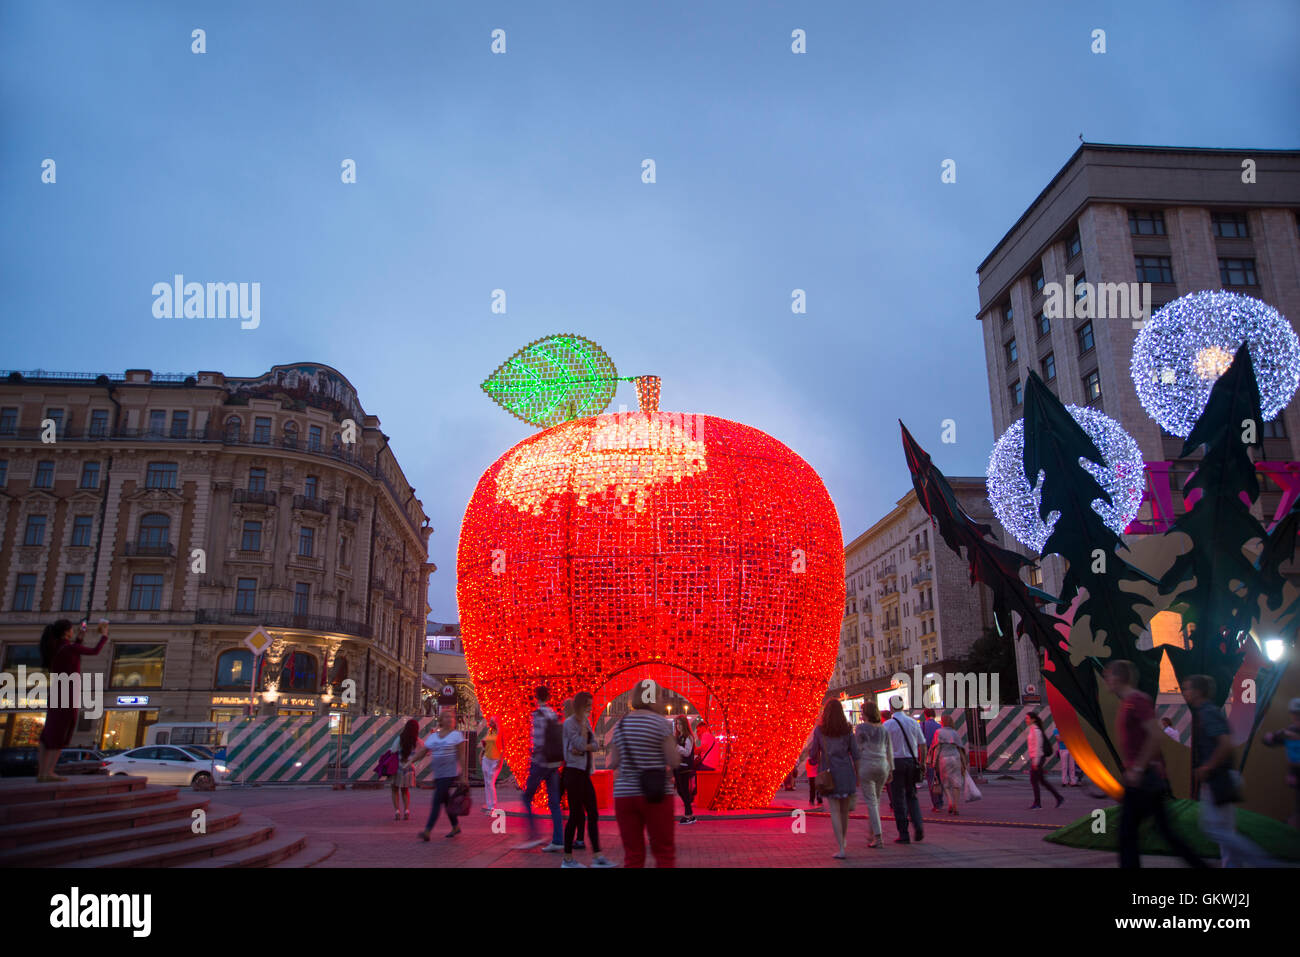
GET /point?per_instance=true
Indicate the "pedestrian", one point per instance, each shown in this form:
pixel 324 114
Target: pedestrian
pixel 1170 731
pixel 579 839
pixel 1289 738
pixel 1069 769
pixel 875 766
pixel 815 799
pixel 644 752
pixel 403 779
pixel 61 655
pixel 547 756
pixel 1145 784
pixel 580 744
pixel 837 753
pixel 1220 784
pixel 929 729
pixel 443 745
pixel 1038 754
pixel 908 742
pixel 489 732
pixel 948 758
pixel 684 773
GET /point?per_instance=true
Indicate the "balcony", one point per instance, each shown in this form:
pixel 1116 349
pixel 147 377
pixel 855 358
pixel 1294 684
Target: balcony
pixel 149 550
pixel 309 504
pixel 924 576
pixel 889 571
pixel 243 496
pixel 916 551
pixel 349 514
pixel 251 618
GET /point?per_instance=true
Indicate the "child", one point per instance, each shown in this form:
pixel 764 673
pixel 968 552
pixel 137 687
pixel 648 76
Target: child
pixel 1289 738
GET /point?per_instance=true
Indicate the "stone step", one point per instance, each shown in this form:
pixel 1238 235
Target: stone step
pixel 69 850
pixel 98 821
pixel 248 832
pixel 75 807
pixel 312 854
pixel 29 791
pixel 278 847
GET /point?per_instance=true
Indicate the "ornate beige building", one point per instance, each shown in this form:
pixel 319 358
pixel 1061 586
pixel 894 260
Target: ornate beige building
pixel 189 510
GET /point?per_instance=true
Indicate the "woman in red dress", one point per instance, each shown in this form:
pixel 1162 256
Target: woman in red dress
pixel 61 655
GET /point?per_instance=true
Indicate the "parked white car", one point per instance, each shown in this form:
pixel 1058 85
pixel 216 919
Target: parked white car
pixel 165 764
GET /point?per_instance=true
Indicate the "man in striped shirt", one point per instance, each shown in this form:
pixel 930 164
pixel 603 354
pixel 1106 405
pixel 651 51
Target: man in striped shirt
pixel 544 768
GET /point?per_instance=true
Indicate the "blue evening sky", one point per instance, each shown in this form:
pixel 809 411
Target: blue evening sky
pixel 523 172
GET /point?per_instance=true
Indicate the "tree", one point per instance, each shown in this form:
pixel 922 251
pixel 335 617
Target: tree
pixel 993 654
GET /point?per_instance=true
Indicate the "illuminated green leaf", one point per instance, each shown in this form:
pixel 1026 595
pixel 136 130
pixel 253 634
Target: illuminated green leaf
pixel 554 380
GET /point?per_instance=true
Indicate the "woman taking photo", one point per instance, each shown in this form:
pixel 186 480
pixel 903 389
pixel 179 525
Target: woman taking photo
pixel 836 752
pixel 61 654
pixel 684 773
pixel 403 779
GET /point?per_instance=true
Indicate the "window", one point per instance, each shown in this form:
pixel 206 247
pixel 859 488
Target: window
pixel 1080 290
pixel 146 592
pixel 72 585
pixel 1146 222
pixel 257 480
pixel 1092 387
pixel 310 486
pixel 24 592
pixel 1237 272
pixel 35 531
pixel 306 540
pixel 180 425
pixel 98 423
pixel 246 596
pixel 1275 429
pixel 301 598
pixel 56 416
pixel 1153 269
pixel 1230 225
pixel 1049 367
pixel 235 670
pixel 314 437
pixel 155 530
pixel 29 655
pixel 160 475
pixel 1036 279
pixel 1084 333
pixel 4 472
pixel 81 526
pixel 299 672
pixel 343 551
pixel 1044 324
pixel 1017 393
pixel 44 475
pixel 262 429
pixel 234 426
pixel 90 475
pixel 252 537
pixel 1007 313
pixel 1073 245
pixel 157 421
pixel 137 666
pixel 1012 353
pixel 8 421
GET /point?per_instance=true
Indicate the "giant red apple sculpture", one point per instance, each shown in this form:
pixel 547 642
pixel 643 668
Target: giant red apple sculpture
pixel 700 552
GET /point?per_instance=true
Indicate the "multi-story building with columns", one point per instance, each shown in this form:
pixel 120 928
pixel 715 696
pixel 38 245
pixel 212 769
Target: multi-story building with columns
pixel 1182 220
pixel 190 510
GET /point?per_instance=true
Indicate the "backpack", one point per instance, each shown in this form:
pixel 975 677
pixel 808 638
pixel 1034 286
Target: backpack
pixel 552 741
pixel 1047 745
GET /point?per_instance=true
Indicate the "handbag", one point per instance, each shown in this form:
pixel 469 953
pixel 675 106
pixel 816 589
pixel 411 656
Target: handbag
pixel 387 765
pixel 972 793
pixel 458 801
pixel 653 783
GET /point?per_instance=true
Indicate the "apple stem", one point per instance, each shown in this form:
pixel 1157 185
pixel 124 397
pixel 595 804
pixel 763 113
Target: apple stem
pixel 647 392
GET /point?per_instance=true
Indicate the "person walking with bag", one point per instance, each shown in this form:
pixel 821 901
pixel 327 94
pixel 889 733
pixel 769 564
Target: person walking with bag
pixel 403 778
pixel 837 754
pixel 1220 790
pixel 444 745
pixel 1039 752
pixel 644 752
pixel 684 774
pixel 580 744
pixel 490 734
pixel 948 758
pixel 908 742
pixel 875 766
pixel 547 756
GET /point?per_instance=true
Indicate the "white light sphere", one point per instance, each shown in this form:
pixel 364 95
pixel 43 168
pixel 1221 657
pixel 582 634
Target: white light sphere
pixel 1016 504
pixel 1184 348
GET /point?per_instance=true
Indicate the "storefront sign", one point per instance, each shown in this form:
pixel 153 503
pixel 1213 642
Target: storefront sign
pixel 218 700
pixel 297 702
pixel 132 700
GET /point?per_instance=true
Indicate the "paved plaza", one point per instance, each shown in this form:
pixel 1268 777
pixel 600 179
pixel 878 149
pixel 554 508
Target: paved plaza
pixel 998 831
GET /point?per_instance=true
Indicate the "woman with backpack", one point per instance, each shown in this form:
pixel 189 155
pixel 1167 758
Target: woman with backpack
pixel 644 751
pixel 444 745
pixel 684 774
pixel 580 744
pixel 401 781
pixel 837 752
pixel 1040 750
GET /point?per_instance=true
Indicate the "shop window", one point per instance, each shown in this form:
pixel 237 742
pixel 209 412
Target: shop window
pixel 137 666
